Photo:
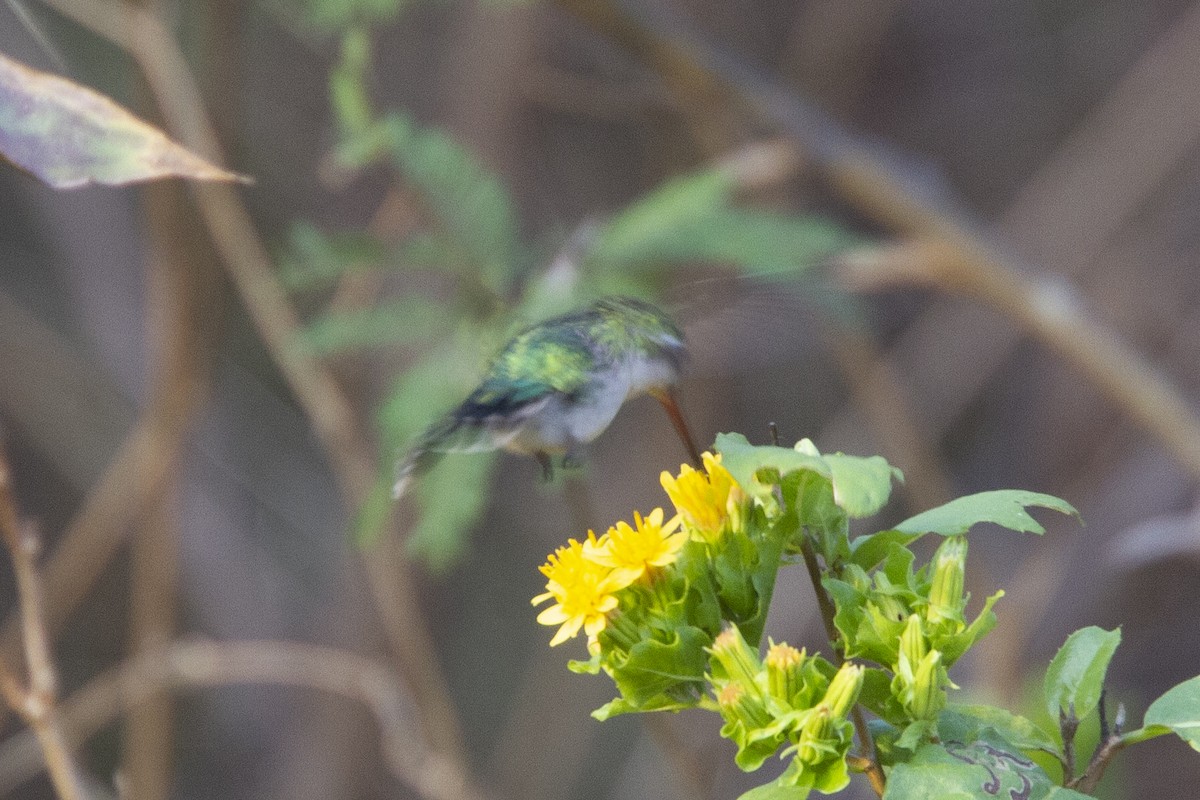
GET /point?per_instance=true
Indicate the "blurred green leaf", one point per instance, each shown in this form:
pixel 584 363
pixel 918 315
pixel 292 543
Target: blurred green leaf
pixel 1075 678
pixel 328 16
pixel 412 319
pixel 469 202
pixel 451 497
pixel 316 258
pixel 692 219
pixel 69 136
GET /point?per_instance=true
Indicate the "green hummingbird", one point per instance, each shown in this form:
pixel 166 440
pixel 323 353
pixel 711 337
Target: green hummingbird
pixel 558 384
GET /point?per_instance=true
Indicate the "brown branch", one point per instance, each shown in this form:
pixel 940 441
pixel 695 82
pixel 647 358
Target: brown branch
pixel 863 177
pixel 1091 776
pixel 1052 314
pixel 186 665
pixel 868 760
pixel 248 264
pixel 35 704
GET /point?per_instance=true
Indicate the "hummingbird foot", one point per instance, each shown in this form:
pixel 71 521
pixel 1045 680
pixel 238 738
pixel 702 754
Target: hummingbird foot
pixel 543 458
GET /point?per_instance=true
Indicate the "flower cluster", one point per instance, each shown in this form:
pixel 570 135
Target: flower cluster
pixel 911 621
pixel 584 579
pixel 787 699
pixel 674 609
pixel 652 596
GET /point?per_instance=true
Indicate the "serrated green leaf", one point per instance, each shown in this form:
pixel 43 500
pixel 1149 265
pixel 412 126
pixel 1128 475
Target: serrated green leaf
pixel 1075 677
pixel 654 669
pixel 618 706
pixel 1179 711
pixel 1004 507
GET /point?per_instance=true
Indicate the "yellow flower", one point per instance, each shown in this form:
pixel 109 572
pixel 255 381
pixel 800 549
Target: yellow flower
pixel 703 500
pixel 582 588
pixel 630 551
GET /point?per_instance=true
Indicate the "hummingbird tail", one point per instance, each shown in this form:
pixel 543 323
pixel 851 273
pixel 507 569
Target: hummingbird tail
pixel 453 433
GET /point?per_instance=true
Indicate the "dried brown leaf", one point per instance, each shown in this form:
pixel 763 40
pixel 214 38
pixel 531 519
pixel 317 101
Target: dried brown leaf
pixel 69 136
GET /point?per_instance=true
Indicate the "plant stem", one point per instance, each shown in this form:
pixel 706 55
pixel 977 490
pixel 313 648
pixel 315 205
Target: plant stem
pixel 868 764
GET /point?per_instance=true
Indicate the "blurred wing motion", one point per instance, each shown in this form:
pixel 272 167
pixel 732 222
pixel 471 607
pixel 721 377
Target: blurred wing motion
pixel 557 385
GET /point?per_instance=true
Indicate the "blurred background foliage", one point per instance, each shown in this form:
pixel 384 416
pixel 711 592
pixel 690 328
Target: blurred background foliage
pixel 431 176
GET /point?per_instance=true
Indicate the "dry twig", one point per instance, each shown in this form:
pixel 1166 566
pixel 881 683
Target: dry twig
pixel 36 702
pixel 186 665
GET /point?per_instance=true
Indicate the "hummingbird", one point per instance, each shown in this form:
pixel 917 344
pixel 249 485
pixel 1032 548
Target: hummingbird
pixel 558 384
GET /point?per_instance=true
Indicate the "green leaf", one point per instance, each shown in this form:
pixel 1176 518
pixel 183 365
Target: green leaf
pixel 861 486
pixel 1018 730
pixel 315 258
pixel 867 551
pixel 1075 678
pixel 982 765
pixel 451 497
pixel 649 228
pixel 374 513
pixel 472 206
pixel 691 218
pixel 69 136
pixel 773 791
pixel 746 461
pixel 1179 711
pixel 1004 507
pixel 618 706
pixel 412 319
pixel 655 669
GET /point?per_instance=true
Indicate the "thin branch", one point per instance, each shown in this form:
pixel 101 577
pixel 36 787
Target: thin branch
pixel 315 388
pixel 36 703
pixel 186 665
pixel 868 761
pixel 1053 314
pixel 1091 776
pixel 869 180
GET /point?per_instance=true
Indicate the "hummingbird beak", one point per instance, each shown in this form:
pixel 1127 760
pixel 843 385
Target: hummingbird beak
pixel 667 398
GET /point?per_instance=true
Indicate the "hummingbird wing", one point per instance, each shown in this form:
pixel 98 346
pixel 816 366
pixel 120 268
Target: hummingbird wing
pixel 545 364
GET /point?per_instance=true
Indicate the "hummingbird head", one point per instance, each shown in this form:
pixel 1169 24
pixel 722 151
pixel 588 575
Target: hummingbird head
pixel 628 325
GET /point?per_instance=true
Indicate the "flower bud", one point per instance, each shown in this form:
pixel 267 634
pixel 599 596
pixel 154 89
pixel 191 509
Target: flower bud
pixel 739 662
pixel 739 704
pixel 913 646
pixel 817 738
pixel 843 690
pixel 889 607
pixel 946 590
pixel 928 696
pixel 784 677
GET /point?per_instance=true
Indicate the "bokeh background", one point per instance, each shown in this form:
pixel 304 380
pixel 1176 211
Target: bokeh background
pixel 184 486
